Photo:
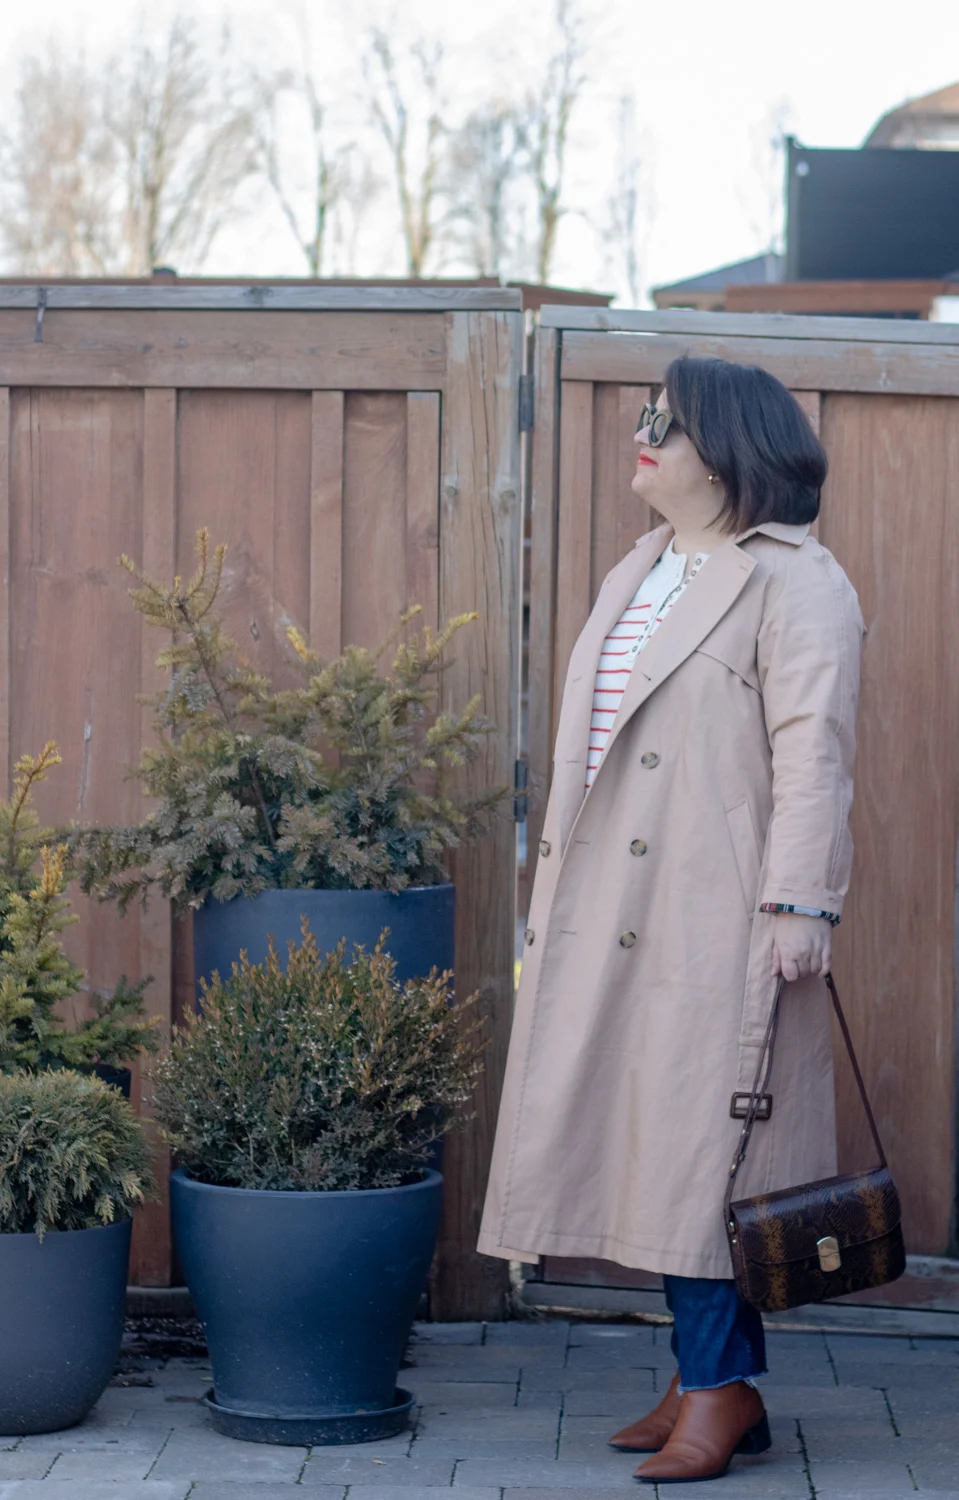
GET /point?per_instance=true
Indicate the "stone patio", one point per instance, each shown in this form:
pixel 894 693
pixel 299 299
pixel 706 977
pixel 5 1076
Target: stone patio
pixel 522 1411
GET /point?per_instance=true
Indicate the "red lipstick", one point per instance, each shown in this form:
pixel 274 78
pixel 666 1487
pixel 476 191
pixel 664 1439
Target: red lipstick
pixel 643 459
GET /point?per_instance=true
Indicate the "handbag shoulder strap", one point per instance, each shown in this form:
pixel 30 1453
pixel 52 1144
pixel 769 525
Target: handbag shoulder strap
pixel 764 1069
pixel 840 1017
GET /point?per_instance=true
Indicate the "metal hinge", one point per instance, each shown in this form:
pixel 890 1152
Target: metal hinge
pixel 526 403
pixel 41 309
pixel 520 783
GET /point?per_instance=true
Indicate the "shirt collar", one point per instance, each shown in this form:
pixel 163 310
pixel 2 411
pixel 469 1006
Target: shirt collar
pixel 670 554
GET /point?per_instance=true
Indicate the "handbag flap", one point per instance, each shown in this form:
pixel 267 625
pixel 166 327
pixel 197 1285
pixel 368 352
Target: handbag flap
pixel 853 1209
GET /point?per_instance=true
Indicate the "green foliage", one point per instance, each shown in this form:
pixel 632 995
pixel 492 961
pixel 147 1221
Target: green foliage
pixel 325 1075
pixel 344 782
pixel 36 975
pixel 72 1154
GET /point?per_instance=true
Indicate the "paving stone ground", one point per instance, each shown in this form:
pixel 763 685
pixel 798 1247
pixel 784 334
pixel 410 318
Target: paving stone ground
pixel 523 1411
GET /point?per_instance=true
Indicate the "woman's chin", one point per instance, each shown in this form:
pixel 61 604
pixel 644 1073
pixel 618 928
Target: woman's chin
pixel 640 485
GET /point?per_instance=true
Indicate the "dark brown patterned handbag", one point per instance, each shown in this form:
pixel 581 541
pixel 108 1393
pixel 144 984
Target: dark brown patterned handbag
pixel 821 1240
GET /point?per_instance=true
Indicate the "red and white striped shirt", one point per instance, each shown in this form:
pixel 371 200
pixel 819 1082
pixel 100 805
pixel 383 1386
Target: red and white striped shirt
pixel 645 612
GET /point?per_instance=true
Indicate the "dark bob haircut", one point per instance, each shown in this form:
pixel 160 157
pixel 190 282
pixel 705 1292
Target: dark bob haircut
pixel 751 431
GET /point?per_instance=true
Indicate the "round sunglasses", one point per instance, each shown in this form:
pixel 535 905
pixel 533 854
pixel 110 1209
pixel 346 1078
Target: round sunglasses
pixel 658 422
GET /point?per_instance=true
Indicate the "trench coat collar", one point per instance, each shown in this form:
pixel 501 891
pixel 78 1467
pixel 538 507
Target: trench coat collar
pixel 692 617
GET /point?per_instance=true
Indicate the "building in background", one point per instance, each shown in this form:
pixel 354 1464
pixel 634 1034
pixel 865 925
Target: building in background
pixel 871 232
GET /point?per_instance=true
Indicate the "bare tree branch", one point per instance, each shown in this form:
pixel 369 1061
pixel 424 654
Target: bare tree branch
pixel 628 209
pixel 116 168
pixel 545 128
pixel 416 171
pixel 58 165
pixel 185 131
pixel 484 167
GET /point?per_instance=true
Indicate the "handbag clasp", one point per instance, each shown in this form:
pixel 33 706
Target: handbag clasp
pixel 829 1256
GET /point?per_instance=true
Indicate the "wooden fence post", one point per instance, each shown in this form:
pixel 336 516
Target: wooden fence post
pixel 480 568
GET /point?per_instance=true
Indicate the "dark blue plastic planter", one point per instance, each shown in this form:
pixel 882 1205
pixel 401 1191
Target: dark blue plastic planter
pixel 307 1300
pixel 420 920
pixel 61 1322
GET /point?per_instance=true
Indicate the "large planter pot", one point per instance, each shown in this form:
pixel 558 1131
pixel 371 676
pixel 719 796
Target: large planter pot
pixel 61 1322
pixel 420 921
pixel 118 1078
pixel 307 1300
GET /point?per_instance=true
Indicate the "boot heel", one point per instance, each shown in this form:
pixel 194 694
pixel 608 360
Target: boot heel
pixel 758 1439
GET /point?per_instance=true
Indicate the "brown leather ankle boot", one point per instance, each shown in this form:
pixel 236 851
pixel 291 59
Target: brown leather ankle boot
pixel 711 1427
pixel 651 1432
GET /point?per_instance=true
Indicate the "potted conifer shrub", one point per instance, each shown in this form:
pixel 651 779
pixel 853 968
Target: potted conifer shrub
pixel 334 799
pixel 39 985
pixel 74 1165
pixel 301 1102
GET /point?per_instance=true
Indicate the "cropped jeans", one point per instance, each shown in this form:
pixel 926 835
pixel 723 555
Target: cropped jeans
pixel 717 1337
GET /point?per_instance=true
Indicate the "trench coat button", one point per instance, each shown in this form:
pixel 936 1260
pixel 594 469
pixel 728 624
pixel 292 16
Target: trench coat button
pixel 649 760
pixel 637 847
pixel 628 939
pixel 544 847
pixel 529 935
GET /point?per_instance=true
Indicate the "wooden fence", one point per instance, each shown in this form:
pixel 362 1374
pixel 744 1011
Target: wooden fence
pixel 358 451
pixel 885 398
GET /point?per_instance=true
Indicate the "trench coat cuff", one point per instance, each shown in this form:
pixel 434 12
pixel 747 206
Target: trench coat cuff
pixel 817 898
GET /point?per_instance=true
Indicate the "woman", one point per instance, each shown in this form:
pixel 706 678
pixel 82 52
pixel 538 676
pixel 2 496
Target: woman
pixel 695 847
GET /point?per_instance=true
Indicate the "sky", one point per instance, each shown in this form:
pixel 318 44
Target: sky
pixel 709 81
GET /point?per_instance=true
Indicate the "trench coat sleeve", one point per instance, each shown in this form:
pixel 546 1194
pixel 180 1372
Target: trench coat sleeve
pixel 808 654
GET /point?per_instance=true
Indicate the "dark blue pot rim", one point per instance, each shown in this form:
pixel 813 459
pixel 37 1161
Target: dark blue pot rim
pixel 323 890
pixel 61 1234
pixel 429 1180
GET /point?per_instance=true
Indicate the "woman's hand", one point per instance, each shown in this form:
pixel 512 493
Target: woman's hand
pixel 801 945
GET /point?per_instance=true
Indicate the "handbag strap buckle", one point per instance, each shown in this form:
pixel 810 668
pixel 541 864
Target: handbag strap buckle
pixel 739 1106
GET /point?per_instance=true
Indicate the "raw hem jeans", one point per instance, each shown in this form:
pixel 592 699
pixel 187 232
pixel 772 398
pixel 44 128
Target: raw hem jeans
pixel 717 1337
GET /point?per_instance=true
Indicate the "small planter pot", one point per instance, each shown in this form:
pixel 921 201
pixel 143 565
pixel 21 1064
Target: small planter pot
pixel 420 920
pixel 307 1300
pixel 61 1322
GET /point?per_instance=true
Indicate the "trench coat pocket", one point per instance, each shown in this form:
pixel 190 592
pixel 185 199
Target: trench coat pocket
pixel 742 833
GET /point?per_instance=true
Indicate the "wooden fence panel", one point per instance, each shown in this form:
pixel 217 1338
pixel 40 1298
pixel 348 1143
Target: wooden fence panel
pixel 312 442
pixel 243 471
pixel 890 516
pixel 887 406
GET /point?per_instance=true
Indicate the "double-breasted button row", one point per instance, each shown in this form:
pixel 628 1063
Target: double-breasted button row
pixel 627 940
pixel 544 847
pixel 528 936
pixel 649 759
pixel 638 846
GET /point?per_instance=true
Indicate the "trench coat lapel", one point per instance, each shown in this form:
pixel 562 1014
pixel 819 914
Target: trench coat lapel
pixel 691 618
pixel 577 707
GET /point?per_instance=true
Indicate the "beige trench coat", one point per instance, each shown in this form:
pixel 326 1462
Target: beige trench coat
pixel 645 989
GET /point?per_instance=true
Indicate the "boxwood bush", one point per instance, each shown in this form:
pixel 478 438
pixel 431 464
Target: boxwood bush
pixel 319 1075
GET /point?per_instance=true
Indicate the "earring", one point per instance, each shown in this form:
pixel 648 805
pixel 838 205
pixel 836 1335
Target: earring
pixel 713 478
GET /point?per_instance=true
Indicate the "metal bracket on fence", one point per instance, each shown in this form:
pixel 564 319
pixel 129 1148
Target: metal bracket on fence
pixel 526 403
pixel 41 309
pixel 520 783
